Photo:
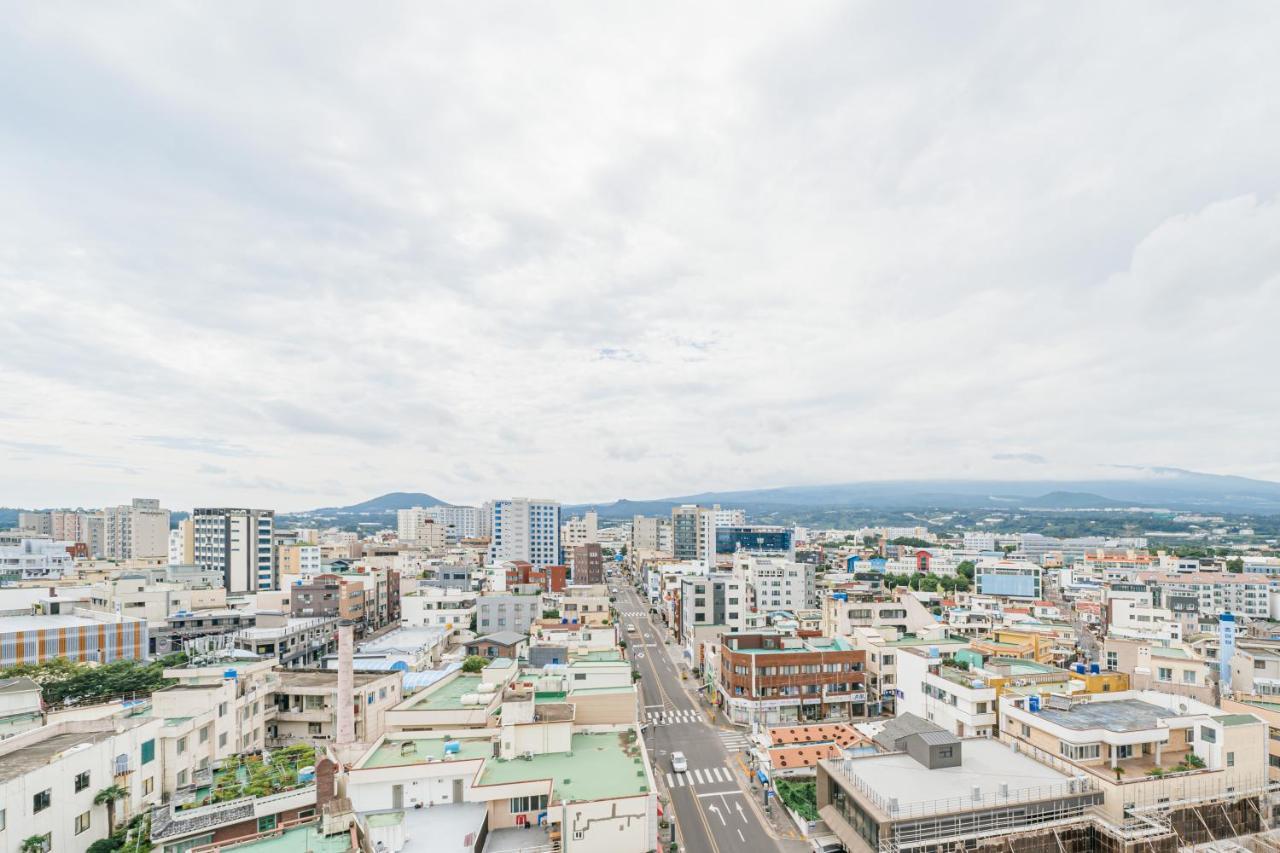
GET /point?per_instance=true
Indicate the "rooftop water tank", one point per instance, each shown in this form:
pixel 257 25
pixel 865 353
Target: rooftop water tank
pixel 452 747
pixel 1033 704
pixel 1095 668
pixel 933 651
pixel 230 673
pixel 306 774
pixel 1079 668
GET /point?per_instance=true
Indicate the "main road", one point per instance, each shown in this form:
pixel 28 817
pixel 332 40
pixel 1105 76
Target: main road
pixel 713 800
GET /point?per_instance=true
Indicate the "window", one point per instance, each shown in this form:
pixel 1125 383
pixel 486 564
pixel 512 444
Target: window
pixel 182 778
pixel 148 785
pixel 266 822
pixel 2 820
pixel 1188 676
pixel 1113 660
pixel 222 740
pixel 1164 673
pixel 945 751
pixel 1079 751
pixel 1231 759
pixel 528 804
pixel 1208 735
pixel 182 745
pixel 148 751
pixel 313 728
pixel 82 781
pixel 40 801
pixel 204 734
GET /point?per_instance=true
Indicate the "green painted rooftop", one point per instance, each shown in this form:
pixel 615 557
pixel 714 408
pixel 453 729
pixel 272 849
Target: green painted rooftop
pixel 622 689
pixel 1266 706
pixel 449 696
pixel 392 752
pixel 601 656
pixel 908 640
pixel 1163 652
pixel 1236 719
pixel 600 766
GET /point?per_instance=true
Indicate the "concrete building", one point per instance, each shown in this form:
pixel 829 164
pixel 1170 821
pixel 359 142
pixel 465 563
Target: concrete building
pixel 83 635
pixel 239 543
pixel 768 678
pixel 580 531
pixel 440 607
pixel 39 523
pixel 693 533
pixel 50 775
pixel 507 612
pixel 419 527
pixel 297 560
pixel 650 536
pixel 708 606
pixel 21 706
pixel 306 706
pixel 136 531
pixel 583 604
pixel 460 522
pixel 1166 666
pixel 548 578
pixel 1009 578
pixel 329 596
pixel 29 558
pixel 777 583
pixel 588 564
pixel 301 642
pixel 525 529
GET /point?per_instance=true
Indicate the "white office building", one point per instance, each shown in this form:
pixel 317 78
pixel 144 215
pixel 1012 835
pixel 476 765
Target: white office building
pixel 460 522
pixel 239 542
pixel 525 529
pixel 776 582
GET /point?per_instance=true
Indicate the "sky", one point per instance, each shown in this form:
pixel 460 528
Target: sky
pixel 299 254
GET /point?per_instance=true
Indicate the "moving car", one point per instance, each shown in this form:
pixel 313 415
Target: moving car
pixel 631 628
pixel 678 762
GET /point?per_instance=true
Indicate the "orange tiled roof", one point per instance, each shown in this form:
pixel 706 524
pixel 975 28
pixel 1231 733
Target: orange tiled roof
pixel 839 733
pixel 790 757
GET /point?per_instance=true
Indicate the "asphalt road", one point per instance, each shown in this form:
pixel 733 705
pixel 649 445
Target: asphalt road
pixel 714 811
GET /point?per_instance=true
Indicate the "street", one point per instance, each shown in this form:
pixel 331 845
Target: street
pixel 714 813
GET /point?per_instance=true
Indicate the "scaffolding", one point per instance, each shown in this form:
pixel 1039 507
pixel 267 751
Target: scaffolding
pixel 1208 817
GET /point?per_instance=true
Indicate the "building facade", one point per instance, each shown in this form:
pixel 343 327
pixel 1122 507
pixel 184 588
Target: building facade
pixel 239 542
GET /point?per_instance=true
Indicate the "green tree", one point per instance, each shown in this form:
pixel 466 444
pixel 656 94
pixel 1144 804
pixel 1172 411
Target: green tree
pixel 107 797
pixel 33 844
pixel 965 569
pixel 474 663
pixel 912 542
pixel 1235 566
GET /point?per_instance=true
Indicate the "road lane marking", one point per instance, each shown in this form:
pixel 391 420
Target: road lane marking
pixel 670 783
pixel 744 841
pixel 731 793
pixel 697 776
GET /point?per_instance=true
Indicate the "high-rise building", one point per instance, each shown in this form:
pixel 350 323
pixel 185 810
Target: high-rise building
pixel 693 533
pixel 136 531
pixel 650 535
pixel 460 522
pixel 588 563
pixel 182 544
pixel 579 531
pixel 237 541
pixel 525 529
pixel 36 522
pixel 419 527
pixel 730 517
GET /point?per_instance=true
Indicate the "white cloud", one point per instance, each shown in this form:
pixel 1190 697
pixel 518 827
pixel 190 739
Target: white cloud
pixel 590 252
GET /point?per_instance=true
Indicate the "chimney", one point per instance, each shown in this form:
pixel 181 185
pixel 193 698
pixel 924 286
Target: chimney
pixel 346 734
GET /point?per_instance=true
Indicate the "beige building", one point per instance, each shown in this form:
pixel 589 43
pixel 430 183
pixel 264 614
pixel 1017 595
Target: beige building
pixel 1169 667
pixel 138 530
pixel 588 604
pixel 306 706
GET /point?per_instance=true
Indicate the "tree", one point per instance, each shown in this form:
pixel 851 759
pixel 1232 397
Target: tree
pixel 33 844
pixel 913 542
pixel 965 569
pixel 110 844
pixel 1235 566
pixel 474 663
pixel 107 797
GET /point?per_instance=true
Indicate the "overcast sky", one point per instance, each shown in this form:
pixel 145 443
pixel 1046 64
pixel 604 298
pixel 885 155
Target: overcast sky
pixel 289 255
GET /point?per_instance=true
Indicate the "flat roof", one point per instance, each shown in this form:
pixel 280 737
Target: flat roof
pixel 598 767
pixel 1236 719
pixel 48 620
pixel 300 839
pixel 26 759
pixel 326 677
pixel 393 753
pixel 448 697
pixel 1119 715
pixel 985 764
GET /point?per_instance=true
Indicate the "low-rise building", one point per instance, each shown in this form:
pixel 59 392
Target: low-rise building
pixel 306 706
pixel 83 635
pixel 774 678
pixel 301 642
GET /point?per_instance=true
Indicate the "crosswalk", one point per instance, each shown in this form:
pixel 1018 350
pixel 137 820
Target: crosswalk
pixel 671 718
pixel 734 741
pixel 633 613
pixel 701 777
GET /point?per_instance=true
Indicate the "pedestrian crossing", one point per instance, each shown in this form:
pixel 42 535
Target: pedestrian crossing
pixel 734 741
pixel 633 613
pixel 701 777
pixel 671 718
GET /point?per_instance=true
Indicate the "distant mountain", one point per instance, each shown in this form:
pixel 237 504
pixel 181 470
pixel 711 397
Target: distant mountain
pixel 1171 488
pixel 389 502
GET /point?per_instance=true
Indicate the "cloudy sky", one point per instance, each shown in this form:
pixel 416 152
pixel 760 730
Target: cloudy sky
pixel 291 255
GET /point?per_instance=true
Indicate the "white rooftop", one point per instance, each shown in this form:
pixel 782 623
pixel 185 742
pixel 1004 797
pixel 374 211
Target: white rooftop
pixel 53 620
pixel 985 763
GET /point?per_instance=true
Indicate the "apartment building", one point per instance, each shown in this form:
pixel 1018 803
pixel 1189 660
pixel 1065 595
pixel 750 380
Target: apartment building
pixel 296 560
pixel 693 533
pixel 1164 666
pixel 548 578
pixel 507 612
pixel 580 531
pixel 330 596
pixel 138 530
pixel 935 689
pixel 768 678
pixel 1216 592
pixel 419 527
pixel 842 613
pixel 584 604
pixel 49 777
pixel 650 536
pixel 777 583
pixel 708 606
pixel 305 706
pixel 238 542
pixel 883 647
pixel 27 558
pixel 301 642
pixel 440 607
pixel 587 563
pixel 525 529
pixel 459 522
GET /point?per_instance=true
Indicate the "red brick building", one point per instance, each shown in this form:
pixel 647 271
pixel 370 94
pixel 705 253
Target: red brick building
pixel 550 578
pixel 770 677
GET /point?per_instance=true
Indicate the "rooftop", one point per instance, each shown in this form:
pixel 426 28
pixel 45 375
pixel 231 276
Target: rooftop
pixel 985 765
pixel 299 839
pixel 325 677
pixel 1120 715
pixel 402 750
pixel 448 696
pixel 26 759
pixel 599 767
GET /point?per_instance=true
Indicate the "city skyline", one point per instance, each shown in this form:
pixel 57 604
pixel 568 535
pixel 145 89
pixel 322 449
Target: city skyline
pixel 264 259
